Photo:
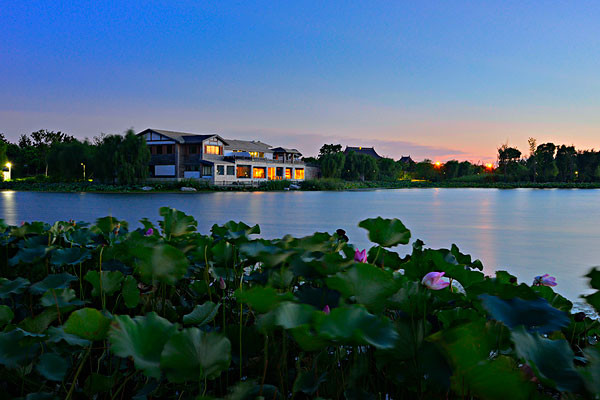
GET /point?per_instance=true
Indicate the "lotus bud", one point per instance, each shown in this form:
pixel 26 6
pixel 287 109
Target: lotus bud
pixel 149 232
pixel 434 281
pixel 222 284
pixel 326 309
pixel 360 256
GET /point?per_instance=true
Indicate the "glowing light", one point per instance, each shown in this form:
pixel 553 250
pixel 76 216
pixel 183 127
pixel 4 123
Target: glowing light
pixel 8 164
pixel 438 164
pixel 489 166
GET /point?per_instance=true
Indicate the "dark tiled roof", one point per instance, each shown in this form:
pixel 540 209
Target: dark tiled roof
pixel 184 137
pixel 285 150
pixel 368 151
pixel 247 145
pixel 406 159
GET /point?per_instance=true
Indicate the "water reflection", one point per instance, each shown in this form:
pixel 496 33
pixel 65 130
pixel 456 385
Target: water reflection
pixel 528 232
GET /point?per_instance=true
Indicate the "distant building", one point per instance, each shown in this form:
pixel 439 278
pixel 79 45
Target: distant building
pixel 367 151
pixel 406 160
pixel 177 155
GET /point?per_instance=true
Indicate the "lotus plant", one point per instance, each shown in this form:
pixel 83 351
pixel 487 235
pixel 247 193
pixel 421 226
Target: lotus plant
pixel 544 280
pixel 149 232
pixel 326 309
pixel 360 256
pixel 434 281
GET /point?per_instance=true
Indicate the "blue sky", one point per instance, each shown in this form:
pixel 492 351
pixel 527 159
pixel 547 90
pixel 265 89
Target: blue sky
pixel 446 79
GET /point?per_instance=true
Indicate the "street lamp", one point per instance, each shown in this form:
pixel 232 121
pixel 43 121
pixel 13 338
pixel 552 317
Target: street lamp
pixel 83 165
pixel 7 174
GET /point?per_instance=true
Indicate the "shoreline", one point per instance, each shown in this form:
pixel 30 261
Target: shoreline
pixel 312 185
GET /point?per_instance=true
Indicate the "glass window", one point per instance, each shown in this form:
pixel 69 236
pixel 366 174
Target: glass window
pixel 230 170
pixel 288 173
pixel 243 171
pixel 206 170
pixel 259 173
pixel 271 173
pixel 159 149
pixel 193 149
pixel 220 170
pixel 211 149
pixel 299 174
pixel 169 149
pixel 280 172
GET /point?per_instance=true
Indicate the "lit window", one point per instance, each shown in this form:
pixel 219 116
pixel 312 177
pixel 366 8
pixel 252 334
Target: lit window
pixel 210 149
pixel 258 172
pixel 299 174
pixel 271 173
pixel 288 173
pixel 243 171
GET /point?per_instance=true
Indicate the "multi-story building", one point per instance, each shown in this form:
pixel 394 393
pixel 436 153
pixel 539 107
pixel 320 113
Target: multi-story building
pixel 178 155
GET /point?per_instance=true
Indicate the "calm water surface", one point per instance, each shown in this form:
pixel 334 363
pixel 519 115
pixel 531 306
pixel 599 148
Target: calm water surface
pixel 526 231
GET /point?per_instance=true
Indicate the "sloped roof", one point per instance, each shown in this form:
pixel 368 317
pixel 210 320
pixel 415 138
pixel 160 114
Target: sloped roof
pixel 184 137
pixel 285 150
pixel 406 159
pixel 368 151
pixel 247 145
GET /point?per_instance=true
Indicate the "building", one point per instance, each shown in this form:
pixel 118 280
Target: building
pixel 406 160
pixel 368 151
pixel 209 157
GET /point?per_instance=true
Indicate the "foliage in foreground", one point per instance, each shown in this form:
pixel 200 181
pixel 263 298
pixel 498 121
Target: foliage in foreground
pixel 166 312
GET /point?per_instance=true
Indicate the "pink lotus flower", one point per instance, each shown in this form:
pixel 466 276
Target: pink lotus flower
pixel 222 284
pixel 326 309
pixel 360 256
pixel 544 280
pixel 434 281
pixel 149 232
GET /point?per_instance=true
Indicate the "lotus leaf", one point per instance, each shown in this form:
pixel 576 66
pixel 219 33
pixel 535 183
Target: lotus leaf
pixel 87 323
pixel 386 232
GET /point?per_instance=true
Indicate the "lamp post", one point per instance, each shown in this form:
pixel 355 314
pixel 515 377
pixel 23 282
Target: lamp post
pixel 7 176
pixel 83 165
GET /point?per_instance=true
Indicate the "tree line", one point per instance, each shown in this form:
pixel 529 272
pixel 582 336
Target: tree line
pixel 57 155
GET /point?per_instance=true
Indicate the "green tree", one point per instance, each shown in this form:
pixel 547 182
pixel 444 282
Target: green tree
pixel 332 165
pixel 389 170
pixel 546 166
pixel 105 163
pixel 132 159
pixel 532 164
pixel 65 160
pixel 507 156
pixel 566 162
pixel 328 149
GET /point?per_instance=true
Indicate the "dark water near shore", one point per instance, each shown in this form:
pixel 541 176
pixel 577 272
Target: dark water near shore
pixel 526 231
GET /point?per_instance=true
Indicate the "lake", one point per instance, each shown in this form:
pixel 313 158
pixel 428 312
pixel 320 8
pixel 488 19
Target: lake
pixel 525 231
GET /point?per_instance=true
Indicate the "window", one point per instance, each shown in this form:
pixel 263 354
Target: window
pixel 169 149
pixel 159 150
pixel 288 173
pixel 193 149
pixel 299 174
pixel 259 173
pixel 211 149
pixel 206 170
pixel 230 170
pixel 243 171
pixel 220 170
pixel 271 173
pixel 279 172
pixel 257 154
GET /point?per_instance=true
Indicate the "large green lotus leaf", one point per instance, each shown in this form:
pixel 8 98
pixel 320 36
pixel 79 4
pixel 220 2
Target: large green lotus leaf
pixel 307 339
pixel 80 237
pixel 308 381
pixel 355 325
pixel 386 232
pixel 143 339
pixel 223 255
pixel 87 323
pixel 192 355
pixel 458 315
pixel 53 281
pixel 594 300
pixel 262 299
pixel 594 276
pixel 202 314
pixel 176 223
pixel 16 286
pixel 234 231
pixel 6 315
pixel 465 259
pixel 33 250
pixel 111 282
pixel 591 372
pixel 40 322
pixel 163 263
pixel 497 379
pixel 554 299
pixel 131 293
pixel 551 360
pixel 96 383
pixel 52 366
pixel 292 315
pixel 29 228
pixel 465 345
pixel 61 298
pixel 382 257
pixel 536 315
pixel 108 225
pixel 318 297
pixel 57 334
pixel 70 256
pixel 371 286
pixel 264 251
pixel 16 348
